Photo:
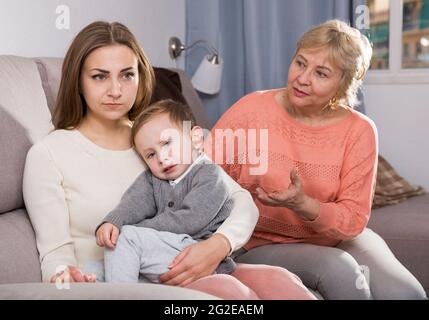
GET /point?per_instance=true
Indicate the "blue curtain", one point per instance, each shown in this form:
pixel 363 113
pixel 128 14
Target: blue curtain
pixel 256 40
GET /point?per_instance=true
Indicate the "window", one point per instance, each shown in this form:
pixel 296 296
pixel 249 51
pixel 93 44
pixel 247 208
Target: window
pixel 399 32
pixel 406 50
pixel 378 33
pixel 415 33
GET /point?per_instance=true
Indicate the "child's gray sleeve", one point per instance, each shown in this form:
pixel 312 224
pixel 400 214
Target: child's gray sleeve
pixel 200 206
pixel 137 203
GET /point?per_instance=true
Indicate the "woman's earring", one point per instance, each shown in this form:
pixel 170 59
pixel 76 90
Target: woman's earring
pixel 333 104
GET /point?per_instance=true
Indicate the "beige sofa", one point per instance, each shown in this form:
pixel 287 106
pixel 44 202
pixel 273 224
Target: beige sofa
pixel 27 92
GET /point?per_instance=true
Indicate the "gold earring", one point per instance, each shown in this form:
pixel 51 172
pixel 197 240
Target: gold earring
pixel 333 104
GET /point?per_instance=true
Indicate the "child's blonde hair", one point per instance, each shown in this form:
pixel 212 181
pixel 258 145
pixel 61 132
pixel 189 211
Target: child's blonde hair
pixel 178 113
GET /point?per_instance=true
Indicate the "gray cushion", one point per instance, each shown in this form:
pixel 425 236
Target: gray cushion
pixel 24 118
pixel 14 144
pixel 102 291
pixel 19 259
pixel 193 100
pixel 50 74
pixel 405 228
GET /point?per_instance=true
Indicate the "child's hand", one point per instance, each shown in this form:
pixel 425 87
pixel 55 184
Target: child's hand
pixel 107 235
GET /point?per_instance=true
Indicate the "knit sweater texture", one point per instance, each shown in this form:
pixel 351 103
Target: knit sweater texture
pixel 336 164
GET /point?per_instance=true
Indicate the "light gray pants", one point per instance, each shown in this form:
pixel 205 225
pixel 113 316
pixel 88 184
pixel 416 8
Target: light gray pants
pixel 361 268
pixel 143 252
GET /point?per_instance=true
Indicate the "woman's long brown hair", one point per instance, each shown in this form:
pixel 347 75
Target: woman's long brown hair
pixel 70 106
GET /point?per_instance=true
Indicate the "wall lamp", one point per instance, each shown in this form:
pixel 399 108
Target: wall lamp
pixel 208 76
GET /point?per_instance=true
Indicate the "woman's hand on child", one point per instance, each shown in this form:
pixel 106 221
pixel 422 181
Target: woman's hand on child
pixel 196 261
pixel 107 235
pixel 73 274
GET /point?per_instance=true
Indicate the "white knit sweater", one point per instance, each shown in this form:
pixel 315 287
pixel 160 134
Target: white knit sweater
pixel 70 184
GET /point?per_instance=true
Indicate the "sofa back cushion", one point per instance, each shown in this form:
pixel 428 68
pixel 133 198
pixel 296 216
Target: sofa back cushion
pixel 24 119
pixel 193 100
pixel 167 86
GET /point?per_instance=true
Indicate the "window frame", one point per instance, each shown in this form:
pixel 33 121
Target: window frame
pixel 395 74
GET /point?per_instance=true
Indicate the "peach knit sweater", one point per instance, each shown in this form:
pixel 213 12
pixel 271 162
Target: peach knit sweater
pixel 336 164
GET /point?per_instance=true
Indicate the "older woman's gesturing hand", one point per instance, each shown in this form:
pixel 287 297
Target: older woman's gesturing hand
pixel 292 198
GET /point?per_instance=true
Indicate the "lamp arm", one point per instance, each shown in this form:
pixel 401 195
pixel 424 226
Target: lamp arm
pixel 213 50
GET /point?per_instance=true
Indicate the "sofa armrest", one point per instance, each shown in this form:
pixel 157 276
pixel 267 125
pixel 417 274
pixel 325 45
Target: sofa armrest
pixel 19 259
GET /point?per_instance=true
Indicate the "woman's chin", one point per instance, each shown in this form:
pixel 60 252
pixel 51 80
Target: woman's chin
pixel 298 102
pixel 114 116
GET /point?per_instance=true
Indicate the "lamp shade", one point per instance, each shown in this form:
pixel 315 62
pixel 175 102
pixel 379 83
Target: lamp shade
pixel 208 76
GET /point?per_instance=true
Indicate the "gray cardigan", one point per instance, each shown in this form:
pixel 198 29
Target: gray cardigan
pixel 196 206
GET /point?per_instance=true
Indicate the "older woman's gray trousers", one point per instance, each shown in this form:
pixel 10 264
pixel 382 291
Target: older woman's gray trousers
pixel 361 268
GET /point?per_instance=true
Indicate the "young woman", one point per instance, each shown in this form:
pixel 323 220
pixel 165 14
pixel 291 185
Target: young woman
pixel 78 173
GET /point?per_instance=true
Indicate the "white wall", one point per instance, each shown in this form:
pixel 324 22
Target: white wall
pixel 401 113
pixel 28 27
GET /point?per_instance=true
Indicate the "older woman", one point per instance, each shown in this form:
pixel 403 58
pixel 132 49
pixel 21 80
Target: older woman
pixel 319 162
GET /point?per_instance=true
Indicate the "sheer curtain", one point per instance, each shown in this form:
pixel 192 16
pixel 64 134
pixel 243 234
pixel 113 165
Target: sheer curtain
pixel 256 40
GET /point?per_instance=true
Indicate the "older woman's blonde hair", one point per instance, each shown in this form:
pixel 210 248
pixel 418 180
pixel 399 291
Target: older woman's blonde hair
pixel 70 107
pixel 348 49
